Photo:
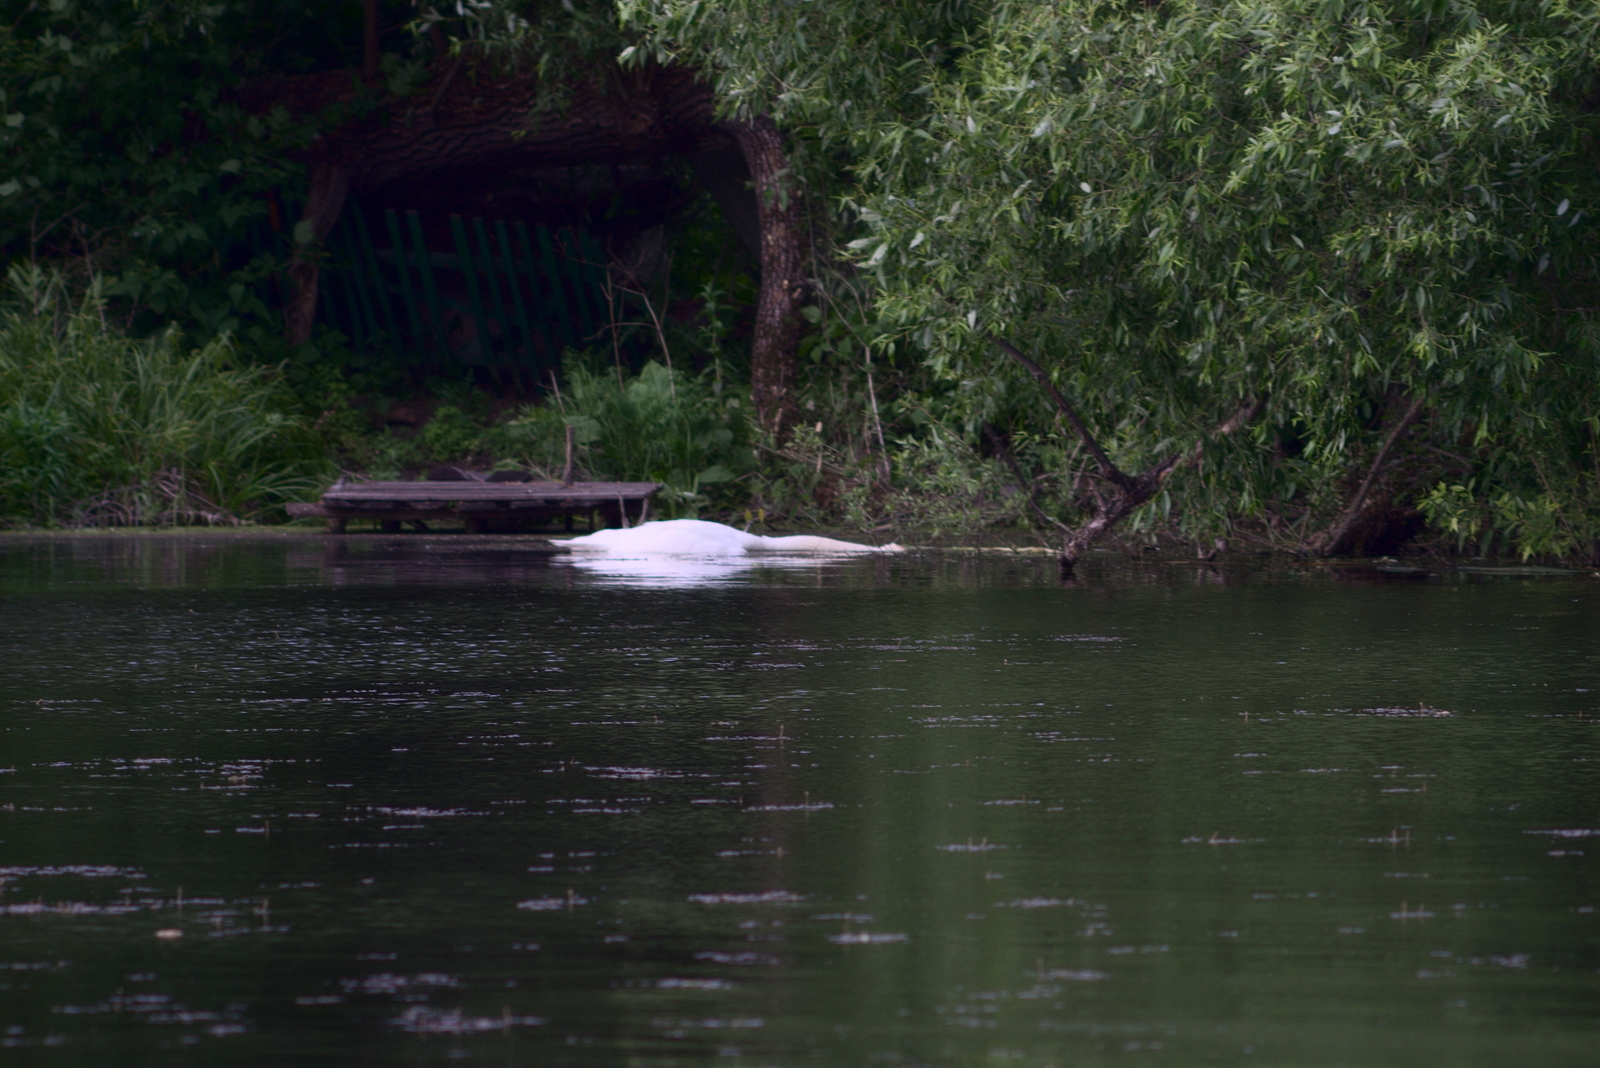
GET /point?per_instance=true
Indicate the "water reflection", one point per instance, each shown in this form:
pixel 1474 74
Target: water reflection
pixel 428 800
pixel 677 572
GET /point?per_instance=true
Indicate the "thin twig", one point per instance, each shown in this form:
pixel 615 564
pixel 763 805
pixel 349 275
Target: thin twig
pixel 448 78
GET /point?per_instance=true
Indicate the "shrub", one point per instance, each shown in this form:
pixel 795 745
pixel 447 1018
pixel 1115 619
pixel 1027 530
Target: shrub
pixel 100 429
pixel 660 425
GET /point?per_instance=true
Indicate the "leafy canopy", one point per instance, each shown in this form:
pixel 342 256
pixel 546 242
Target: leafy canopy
pixel 1180 206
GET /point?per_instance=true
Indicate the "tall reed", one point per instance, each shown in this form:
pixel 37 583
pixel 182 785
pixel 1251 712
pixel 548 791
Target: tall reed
pixel 100 429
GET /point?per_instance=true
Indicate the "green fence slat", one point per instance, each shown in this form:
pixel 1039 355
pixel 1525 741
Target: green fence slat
pixel 429 290
pixel 379 283
pixel 459 231
pixel 357 279
pixel 513 279
pixel 409 295
pixel 541 296
pixel 327 305
pixel 559 309
pixel 579 275
pixel 493 276
pixel 595 261
pixel 357 334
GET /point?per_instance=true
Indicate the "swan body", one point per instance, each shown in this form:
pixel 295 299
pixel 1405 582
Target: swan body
pixel 698 537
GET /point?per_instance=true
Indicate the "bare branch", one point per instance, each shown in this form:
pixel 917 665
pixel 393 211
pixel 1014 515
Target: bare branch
pixel 1110 471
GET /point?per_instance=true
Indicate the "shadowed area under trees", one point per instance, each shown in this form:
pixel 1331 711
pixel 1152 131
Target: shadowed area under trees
pixel 1307 277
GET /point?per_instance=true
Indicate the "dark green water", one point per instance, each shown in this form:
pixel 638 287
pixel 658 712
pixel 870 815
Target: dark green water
pixel 265 803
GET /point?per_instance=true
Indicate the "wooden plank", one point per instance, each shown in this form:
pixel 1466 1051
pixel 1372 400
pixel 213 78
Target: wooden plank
pixel 493 277
pixel 397 243
pixel 485 346
pixel 490 491
pixel 429 290
pixel 466 491
pixel 486 491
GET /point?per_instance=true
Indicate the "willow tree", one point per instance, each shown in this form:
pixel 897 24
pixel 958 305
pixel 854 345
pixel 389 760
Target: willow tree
pixel 1272 244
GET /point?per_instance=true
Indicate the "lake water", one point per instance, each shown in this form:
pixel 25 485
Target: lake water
pixel 419 801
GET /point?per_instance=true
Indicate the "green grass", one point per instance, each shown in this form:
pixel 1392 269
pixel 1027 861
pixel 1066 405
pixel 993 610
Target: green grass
pixel 659 425
pixel 100 429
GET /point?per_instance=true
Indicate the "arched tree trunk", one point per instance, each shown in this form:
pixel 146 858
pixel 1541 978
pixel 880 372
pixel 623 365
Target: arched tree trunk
pixel 1117 494
pixel 775 345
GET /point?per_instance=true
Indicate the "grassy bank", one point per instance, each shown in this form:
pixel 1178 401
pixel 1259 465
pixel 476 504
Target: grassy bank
pixel 100 429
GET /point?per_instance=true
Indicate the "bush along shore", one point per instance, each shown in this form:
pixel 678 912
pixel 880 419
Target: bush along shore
pixel 100 429
pixel 1334 295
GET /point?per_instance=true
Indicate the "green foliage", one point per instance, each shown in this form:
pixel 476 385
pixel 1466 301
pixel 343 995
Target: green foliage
pixel 1180 208
pixel 450 434
pixel 1559 522
pixel 130 153
pixel 657 426
pixel 100 429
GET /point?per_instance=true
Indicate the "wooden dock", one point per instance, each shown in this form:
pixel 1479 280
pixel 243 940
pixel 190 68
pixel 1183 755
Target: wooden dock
pixel 486 506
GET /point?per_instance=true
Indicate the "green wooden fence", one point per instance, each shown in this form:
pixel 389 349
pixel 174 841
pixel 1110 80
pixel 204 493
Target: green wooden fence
pixel 498 294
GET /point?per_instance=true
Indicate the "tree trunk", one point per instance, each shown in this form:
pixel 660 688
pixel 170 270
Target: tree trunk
pixel 775 346
pixel 330 182
pixel 1337 538
pixel 1120 493
pixel 369 41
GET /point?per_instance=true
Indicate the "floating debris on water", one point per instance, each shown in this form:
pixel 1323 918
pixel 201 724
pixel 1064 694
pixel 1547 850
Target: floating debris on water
pixel 422 1020
pixel 740 959
pixel 983 846
pixel 766 897
pixel 388 983
pixel 1079 975
pixel 693 984
pixel 551 904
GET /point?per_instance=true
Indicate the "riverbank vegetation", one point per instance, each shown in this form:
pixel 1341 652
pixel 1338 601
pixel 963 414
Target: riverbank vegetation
pixel 100 429
pixel 1314 277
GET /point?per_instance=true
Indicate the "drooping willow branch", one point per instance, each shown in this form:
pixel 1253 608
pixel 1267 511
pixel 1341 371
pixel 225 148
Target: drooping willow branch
pixel 1131 491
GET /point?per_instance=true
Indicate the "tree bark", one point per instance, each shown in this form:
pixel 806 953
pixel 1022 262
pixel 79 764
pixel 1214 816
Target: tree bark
pixel 1126 493
pixel 775 346
pixel 330 183
pixel 369 40
pixel 466 121
pixel 1334 539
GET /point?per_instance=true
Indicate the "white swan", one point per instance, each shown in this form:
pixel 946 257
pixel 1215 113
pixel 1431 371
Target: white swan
pixel 697 537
